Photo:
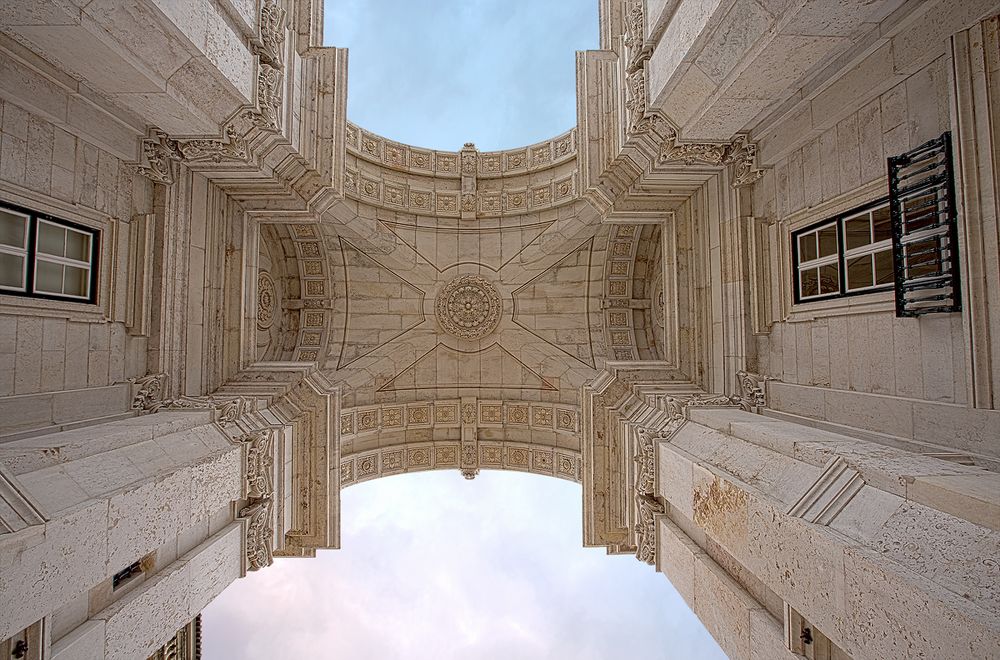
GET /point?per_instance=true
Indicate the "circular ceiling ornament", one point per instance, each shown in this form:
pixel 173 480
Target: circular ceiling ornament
pixel 468 307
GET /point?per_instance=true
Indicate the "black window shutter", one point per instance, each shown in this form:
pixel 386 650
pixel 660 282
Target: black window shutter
pixel 925 230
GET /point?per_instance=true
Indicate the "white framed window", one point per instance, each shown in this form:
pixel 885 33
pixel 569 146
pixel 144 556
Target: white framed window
pixel 14 234
pixel 845 255
pixel 46 257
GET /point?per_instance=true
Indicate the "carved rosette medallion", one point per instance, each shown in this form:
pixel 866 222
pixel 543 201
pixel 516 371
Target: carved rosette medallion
pixel 265 300
pixel 468 307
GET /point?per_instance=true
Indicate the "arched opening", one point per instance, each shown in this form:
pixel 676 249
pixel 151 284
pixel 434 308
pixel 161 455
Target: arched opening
pixel 500 73
pixel 436 567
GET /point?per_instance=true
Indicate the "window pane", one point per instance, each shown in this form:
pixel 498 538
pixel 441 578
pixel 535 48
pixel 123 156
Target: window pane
pixel 809 280
pixel 11 271
pixel 882 224
pixel 48 277
pixel 829 279
pixel 883 267
pixel 51 239
pixel 857 232
pixel 13 229
pixel 77 245
pixel 807 247
pixel 859 272
pixel 828 241
pixel 75 281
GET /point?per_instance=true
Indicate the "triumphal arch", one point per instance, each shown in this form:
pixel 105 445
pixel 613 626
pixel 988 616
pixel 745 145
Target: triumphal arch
pixel 749 302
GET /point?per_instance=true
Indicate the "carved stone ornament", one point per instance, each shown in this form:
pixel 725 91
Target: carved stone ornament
pixel 159 152
pixel 740 153
pixel 259 464
pixel 752 386
pixel 265 300
pixel 645 459
pixel 272 33
pixel 231 148
pixel 468 307
pixel 676 407
pixel 149 395
pixel 645 527
pixel 468 413
pixel 268 113
pixel 259 534
pixel 226 410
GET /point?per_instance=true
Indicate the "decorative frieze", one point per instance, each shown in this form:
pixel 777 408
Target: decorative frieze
pixel 558 417
pixel 468 457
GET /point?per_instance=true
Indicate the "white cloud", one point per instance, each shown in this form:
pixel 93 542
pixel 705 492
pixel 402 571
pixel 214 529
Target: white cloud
pixel 436 567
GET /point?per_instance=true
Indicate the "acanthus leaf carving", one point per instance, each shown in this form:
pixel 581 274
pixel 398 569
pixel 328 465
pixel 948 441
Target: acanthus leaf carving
pixel 227 410
pixel 740 153
pixel 752 387
pixel 647 508
pixel 231 148
pixel 267 114
pixel 259 464
pixel 272 33
pixel 159 152
pixel 149 395
pixel 259 539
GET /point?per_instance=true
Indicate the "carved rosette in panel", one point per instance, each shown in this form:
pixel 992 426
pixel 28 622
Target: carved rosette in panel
pixel 468 307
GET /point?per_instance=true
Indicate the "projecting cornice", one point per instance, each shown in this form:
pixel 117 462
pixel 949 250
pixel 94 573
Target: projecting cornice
pixel 288 144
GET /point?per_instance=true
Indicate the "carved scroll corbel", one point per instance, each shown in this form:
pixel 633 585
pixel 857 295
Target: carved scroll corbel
pixel 148 395
pixel 645 527
pixel 259 539
pixel 740 153
pixel 258 464
pixel 159 153
pixel 752 387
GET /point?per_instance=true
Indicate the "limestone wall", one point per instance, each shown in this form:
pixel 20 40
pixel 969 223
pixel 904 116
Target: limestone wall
pixel 154 484
pixel 827 153
pixel 762 516
pixel 50 347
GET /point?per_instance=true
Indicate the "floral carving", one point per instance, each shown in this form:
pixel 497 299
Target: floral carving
pixel 645 527
pixel 259 464
pixel 468 307
pixel 265 300
pixel 259 534
pixel 159 152
pixel 231 148
pixel 149 396
pixel 272 33
pixel 752 387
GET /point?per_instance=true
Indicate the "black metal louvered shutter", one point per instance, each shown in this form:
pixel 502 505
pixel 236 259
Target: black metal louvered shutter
pixel 925 230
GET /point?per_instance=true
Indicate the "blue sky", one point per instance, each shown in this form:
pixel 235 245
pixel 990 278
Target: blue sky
pixel 439 73
pixel 434 567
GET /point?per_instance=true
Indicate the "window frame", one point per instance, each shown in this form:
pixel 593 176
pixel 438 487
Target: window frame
pixel 31 254
pixel 840 258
